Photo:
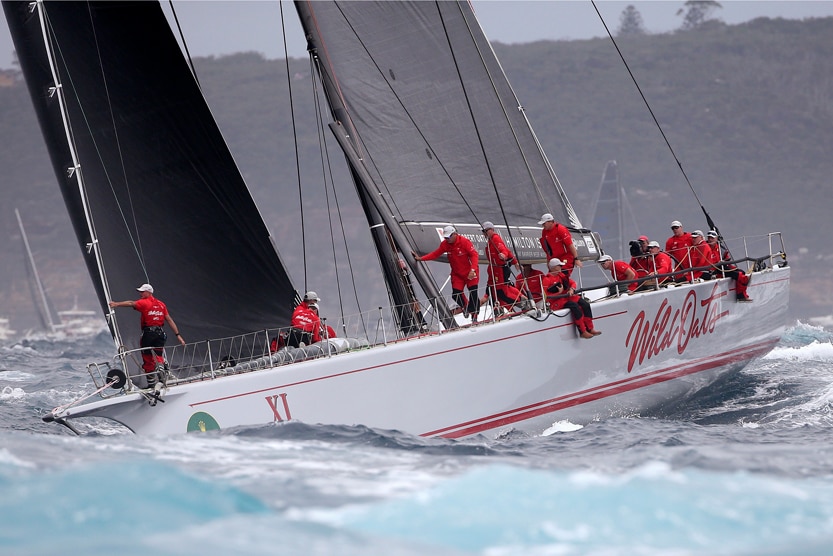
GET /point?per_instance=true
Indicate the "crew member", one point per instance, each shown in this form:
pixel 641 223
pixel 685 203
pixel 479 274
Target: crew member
pixel 529 282
pixel 462 257
pixel 557 243
pixel 619 270
pixel 561 293
pixel 500 258
pixel 727 269
pixel 306 326
pixel 154 316
pixel 700 251
pixel 676 247
pixel 661 264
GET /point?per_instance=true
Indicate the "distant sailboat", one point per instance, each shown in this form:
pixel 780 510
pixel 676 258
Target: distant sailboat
pixel 613 215
pixel 72 323
pixel 6 333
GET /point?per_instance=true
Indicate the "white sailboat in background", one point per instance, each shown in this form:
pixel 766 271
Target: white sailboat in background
pixel 72 323
pixel 613 217
pixel 6 332
pixel 433 135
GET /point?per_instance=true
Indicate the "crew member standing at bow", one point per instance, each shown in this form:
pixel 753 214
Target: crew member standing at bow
pixel 557 243
pixel 154 316
pixel 462 256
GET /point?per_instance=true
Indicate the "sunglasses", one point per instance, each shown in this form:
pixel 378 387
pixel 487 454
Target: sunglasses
pixel 675 227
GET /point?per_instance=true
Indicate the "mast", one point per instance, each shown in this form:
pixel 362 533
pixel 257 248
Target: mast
pixel 46 313
pixel 402 297
pixel 388 237
pixel 74 171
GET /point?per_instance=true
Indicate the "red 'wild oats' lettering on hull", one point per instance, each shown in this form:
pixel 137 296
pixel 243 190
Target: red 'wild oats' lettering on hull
pixel 672 326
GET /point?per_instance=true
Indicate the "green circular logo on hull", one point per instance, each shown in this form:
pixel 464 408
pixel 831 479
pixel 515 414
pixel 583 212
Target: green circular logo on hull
pixel 201 422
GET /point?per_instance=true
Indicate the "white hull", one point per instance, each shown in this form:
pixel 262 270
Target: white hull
pixel 521 373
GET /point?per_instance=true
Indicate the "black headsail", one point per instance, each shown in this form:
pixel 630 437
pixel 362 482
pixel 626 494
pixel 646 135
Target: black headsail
pixel 151 188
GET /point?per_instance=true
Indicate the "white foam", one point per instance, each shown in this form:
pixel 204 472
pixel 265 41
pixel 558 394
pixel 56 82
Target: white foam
pixel 9 393
pixel 561 426
pixel 818 351
pixel 16 376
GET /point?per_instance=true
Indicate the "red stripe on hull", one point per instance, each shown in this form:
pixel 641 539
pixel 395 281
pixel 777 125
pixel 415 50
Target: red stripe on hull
pixel 597 393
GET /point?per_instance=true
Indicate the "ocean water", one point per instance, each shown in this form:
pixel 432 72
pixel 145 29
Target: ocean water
pixel 745 469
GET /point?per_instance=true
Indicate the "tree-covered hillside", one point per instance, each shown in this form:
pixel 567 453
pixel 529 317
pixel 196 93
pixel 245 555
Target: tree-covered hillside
pixel 747 109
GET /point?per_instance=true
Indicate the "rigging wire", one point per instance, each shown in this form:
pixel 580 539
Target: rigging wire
pixel 54 52
pixel 477 129
pixel 410 118
pixel 295 140
pixel 326 169
pixel 184 44
pixel 651 111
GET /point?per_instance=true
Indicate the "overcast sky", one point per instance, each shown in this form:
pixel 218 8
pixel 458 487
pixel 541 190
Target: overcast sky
pixel 223 27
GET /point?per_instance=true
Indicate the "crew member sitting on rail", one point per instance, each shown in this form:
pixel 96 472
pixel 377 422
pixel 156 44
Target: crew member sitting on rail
pixel 619 270
pixel 561 293
pixel 306 326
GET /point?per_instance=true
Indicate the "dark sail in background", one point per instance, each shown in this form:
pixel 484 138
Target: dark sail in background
pixel 166 200
pixel 461 160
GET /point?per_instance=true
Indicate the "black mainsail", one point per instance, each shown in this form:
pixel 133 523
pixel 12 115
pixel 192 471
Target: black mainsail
pixel 151 188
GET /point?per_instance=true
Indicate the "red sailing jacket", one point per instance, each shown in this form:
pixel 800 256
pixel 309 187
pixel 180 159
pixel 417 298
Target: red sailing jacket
pixel 556 244
pixel 532 284
pixel 153 311
pixel 305 319
pixel 677 247
pixel 495 248
pixel 462 256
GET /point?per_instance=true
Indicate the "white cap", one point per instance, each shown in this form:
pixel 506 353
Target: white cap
pixel 311 296
pixel 653 244
pixel 546 217
pixel 555 262
pixel 487 226
pixel 447 231
pixel 712 233
pixel 697 233
pixel 676 223
pixel 604 258
pixel 145 288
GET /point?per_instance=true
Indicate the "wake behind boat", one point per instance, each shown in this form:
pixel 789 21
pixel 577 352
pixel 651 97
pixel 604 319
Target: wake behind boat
pixel 155 195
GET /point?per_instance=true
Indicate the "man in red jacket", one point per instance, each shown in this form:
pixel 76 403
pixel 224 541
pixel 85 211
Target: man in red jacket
pixel 462 256
pixel 619 270
pixel 306 326
pixel 677 246
pixel 529 281
pixel 729 270
pixel 660 264
pixel 700 251
pixel 154 316
pixel 500 257
pixel 557 243
pixel 561 294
